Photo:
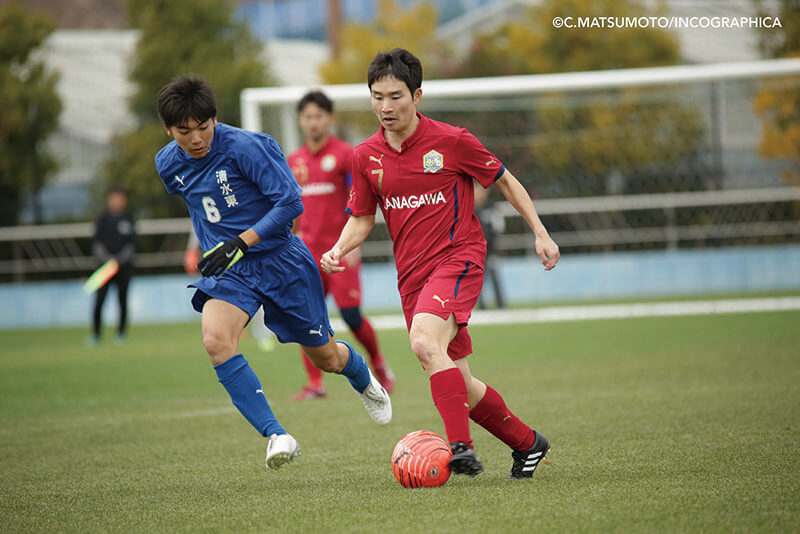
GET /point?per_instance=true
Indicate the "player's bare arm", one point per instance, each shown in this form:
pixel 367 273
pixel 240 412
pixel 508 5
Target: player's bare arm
pixel 353 234
pixel 515 193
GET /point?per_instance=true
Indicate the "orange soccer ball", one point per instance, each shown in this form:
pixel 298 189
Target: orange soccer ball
pixel 421 459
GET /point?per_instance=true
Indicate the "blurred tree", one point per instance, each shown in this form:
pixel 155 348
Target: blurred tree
pixel 177 37
pixel 781 41
pixel 778 103
pixel 601 142
pixel 413 28
pixel 532 45
pixel 31 110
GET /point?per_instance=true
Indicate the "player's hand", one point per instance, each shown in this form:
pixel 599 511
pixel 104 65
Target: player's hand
pixel 353 258
pixel 222 257
pixel 547 249
pixel 330 261
pixel 190 259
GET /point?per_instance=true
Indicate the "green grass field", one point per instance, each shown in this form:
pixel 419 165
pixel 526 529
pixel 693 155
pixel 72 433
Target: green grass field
pixel 682 424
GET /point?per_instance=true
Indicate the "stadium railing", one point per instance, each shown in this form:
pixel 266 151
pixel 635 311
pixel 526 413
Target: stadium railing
pixel 637 159
pixel 629 159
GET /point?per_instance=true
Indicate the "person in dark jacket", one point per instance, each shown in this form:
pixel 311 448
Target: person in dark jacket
pixel 114 237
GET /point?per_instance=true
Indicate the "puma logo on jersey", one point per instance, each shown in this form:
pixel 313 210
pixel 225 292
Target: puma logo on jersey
pixel 437 297
pixel 259 391
pixel 491 162
pixel 318 332
pixel 377 160
pixel 180 179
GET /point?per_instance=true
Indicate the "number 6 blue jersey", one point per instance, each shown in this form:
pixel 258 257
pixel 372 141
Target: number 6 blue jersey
pixel 241 179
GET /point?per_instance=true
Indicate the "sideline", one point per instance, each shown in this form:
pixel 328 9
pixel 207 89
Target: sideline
pixel 603 311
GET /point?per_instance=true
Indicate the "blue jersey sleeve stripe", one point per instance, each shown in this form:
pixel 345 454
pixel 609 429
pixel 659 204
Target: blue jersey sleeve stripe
pixel 500 173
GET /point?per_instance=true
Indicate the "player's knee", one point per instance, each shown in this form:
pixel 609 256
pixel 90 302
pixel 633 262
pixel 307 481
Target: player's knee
pixel 218 346
pixel 423 346
pixel 352 317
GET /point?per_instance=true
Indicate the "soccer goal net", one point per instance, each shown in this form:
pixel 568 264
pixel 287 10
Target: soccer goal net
pixel 636 159
pixel 646 159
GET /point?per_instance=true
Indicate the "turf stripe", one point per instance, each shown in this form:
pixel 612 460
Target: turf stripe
pixel 603 311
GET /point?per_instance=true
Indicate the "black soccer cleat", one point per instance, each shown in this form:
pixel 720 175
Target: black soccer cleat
pixel 464 461
pixel 525 462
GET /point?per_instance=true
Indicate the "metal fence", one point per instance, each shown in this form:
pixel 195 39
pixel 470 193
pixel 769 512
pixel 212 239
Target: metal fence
pixel 647 158
pixel 637 159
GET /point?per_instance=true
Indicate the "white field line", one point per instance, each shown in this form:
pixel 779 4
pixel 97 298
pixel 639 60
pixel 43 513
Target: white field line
pixel 481 317
pixel 603 311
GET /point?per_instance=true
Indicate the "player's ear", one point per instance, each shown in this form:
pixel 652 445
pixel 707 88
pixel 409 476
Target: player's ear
pixel 214 122
pixel 169 132
pixel 417 96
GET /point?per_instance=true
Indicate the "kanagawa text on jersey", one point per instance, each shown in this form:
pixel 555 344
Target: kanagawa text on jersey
pixel 414 201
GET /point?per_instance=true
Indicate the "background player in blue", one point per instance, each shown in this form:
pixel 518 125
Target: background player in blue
pixel 242 199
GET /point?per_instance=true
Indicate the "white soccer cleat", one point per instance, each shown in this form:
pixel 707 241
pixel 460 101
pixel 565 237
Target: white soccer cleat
pixel 377 401
pixel 281 449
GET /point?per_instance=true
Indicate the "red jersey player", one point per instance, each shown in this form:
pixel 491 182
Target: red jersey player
pixel 322 167
pixel 420 172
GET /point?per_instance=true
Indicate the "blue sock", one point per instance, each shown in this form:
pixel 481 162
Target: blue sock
pixel 242 384
pixel 356 369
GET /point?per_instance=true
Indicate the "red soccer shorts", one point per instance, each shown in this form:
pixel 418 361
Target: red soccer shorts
pixel 344 286
pixel 452 289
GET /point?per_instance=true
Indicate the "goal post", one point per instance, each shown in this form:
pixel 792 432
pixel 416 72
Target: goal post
pixel 254 99
pixel 618 160
pixel 630 159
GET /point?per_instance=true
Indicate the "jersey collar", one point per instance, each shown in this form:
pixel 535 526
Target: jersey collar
pixel 422 127
pixel 321 149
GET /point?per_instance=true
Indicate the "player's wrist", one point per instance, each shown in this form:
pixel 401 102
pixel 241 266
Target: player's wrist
pixel 239 242
pixel 541 233
pixel 335 252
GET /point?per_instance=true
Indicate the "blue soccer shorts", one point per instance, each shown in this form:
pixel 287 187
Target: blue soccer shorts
pixel 285 282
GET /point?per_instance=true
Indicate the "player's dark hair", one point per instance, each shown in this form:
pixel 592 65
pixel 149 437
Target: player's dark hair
pixel 399 63
pixel 184 98
pixel 315 97
pixel 116 189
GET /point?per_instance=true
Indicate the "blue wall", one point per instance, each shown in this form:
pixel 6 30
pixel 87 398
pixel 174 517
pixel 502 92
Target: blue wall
pixel 577 277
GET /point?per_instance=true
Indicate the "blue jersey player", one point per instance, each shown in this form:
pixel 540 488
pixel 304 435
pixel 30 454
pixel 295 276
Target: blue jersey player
pixel 242 199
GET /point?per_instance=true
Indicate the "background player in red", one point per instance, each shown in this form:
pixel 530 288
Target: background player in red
pixel 322 167
pixel 421 173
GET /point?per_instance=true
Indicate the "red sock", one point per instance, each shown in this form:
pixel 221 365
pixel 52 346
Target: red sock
pixel 449 394
pixel 366 336
pixel 493 415
pixel 314 374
